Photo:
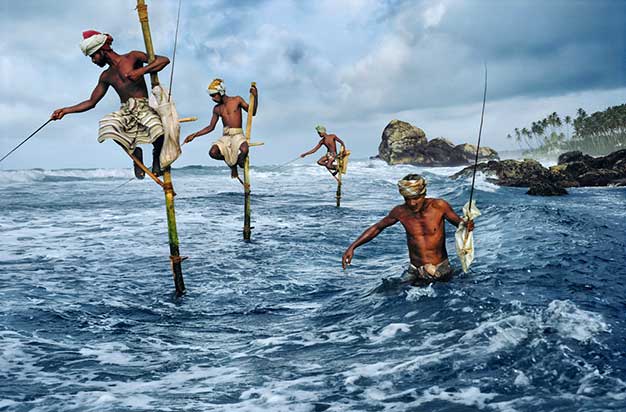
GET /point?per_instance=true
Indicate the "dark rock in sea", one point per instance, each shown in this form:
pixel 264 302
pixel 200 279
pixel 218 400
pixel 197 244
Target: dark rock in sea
pixel 575 156
pixel 509 172
pixel 403 143
pixel 546 189
pixel 574 170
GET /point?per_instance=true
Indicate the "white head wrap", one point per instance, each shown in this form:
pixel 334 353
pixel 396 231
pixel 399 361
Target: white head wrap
pixel 320 128
pixel 413 187
pixel 217 86
pixel 93 43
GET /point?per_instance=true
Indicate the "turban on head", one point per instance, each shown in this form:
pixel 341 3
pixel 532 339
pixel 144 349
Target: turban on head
pixel 412 186
pixel 320 128
pixel 217 86
pixel 94 41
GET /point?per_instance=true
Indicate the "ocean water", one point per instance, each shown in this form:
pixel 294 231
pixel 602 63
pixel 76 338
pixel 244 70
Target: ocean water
pixel 89 322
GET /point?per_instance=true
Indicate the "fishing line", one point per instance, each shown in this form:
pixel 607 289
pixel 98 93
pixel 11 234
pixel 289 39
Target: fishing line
pixel 180 2
pixel 482 115
pixel 25 140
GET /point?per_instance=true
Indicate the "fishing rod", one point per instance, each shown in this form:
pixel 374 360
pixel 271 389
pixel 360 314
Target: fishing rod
pixel 480 130
pixel 169 96
pixel 25 140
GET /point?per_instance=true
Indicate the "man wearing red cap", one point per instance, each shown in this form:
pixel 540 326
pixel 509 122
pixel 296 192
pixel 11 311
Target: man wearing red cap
pixel 136 122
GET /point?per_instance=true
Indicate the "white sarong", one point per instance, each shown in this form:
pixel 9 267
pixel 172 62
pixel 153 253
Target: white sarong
pixel 230 143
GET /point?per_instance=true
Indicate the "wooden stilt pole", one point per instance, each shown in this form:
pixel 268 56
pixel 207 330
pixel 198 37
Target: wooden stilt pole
pixel 168 188
pixel 339 190
pixel 247 229
pixel 342 168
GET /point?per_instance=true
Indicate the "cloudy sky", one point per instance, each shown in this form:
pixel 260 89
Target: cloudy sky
pixel 352 65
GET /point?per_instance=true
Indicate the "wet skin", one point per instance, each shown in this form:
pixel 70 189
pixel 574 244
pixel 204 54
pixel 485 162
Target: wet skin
pixel 423 220
pixel 229 109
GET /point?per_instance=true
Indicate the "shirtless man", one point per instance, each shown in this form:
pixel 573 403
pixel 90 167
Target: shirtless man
pixel 232 147
pixel 423 219
pixel 330 142
pixel 136 122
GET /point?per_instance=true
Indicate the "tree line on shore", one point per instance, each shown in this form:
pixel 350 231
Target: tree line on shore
pixel 597 134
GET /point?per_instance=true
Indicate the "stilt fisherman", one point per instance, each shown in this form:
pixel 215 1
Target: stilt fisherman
pixel 329 141
pixel 232 147
pixel 136 122
pixel 423 219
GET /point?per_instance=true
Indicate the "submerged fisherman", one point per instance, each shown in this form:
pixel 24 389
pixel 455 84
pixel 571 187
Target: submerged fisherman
pixel 330 142
pixel 136 122
pixel 232 147
pixel 423 219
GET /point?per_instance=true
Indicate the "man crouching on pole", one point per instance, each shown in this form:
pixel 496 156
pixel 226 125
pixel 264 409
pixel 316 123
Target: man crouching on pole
pixel 136 122
pixel 423 220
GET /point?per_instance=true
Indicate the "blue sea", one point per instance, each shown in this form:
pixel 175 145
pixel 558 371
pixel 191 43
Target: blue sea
pixel 89 320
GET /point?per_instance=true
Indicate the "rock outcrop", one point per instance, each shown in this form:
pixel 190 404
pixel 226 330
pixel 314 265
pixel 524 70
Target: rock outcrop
pixel 403 143
pixel 574 169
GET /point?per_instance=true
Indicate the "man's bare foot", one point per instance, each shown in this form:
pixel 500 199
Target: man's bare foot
pixel 156 167
pixel 157 146
pixel 139 173
pixel 234 173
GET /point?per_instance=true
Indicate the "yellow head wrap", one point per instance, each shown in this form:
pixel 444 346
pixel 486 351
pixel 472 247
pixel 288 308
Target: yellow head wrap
pixel 217 86
pixel 412 186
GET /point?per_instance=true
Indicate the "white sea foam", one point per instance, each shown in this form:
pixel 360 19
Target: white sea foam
pixel 415 294
pixel 110 352
pixel 574 322
pixel 37 175
pixel 390 331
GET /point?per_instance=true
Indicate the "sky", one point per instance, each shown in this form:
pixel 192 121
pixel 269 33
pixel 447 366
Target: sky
pixel 351 65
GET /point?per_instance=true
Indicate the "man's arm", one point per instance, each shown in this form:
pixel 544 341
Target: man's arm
pixel 244 104
pixel 369 234
pixel 206 130
pixel 97 95
pixel 315 149
pixel 343 145
pixel 157 65
pixel 450 215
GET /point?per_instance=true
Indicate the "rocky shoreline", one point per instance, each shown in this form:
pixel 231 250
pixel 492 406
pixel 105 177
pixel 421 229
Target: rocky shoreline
pixel 403 143
pixel 574 169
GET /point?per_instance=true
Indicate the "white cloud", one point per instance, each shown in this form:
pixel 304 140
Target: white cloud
pixel 352 65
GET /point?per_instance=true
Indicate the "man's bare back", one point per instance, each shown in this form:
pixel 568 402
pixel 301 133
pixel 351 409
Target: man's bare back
pixel 330 142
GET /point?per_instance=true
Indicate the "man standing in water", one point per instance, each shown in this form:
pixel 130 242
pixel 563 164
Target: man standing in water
pixel 232 147
pixel 330 142
pixel 136 122
pixel 423 219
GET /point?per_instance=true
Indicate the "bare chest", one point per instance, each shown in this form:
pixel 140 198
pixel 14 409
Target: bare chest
pixel 229 109
pixel 426 224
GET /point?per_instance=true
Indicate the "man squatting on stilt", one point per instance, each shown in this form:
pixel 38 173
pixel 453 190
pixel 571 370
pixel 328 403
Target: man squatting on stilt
pixel 232 147
pixel 423 220
pixel 136 122
pixel 330 142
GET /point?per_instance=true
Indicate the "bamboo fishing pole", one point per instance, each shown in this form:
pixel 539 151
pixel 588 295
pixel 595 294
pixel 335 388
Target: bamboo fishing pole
pixel 247 229
pixel 168 188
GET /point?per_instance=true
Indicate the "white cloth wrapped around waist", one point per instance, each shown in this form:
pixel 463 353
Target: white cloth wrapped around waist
pixel 135 123
pixel 230 143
